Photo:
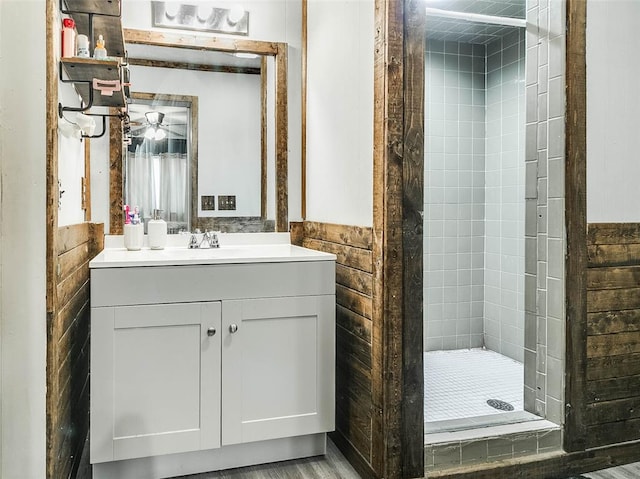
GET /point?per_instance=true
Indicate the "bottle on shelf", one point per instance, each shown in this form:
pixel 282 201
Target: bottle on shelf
pixel 68 38
pixel 100 53
pixel 83 46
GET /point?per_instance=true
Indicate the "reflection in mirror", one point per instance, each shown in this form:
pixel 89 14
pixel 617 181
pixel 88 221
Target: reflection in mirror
pixel 238 166
pixel 157 162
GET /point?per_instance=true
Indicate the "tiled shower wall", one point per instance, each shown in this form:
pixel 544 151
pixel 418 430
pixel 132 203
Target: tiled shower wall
pixel 454 195
pixel 545 242
pixel 474 186
pixel 504 202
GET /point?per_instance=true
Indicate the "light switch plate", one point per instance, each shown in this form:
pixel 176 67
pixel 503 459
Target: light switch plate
pixel 226 202
pixel 208 203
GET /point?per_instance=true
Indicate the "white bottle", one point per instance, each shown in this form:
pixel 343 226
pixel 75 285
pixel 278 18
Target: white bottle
pixel 83 46
pixel 157 231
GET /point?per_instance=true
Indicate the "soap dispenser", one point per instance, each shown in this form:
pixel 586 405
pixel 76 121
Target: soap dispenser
pixel 157 230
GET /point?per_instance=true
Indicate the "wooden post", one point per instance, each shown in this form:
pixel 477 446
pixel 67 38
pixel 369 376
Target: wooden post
pixel 576 223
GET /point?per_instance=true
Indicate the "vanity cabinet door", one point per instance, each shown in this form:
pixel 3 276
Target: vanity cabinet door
pixel 278 359
pixel 155 380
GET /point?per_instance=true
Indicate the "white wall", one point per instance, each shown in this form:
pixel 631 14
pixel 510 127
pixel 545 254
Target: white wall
pixel 229 111
pixel 613 109
pixel 270 20
pixel 23 241
pixel 71 163
pixel 340 111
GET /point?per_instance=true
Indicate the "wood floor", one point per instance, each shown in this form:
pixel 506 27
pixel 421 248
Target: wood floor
pixel 331 466
pixel 629 471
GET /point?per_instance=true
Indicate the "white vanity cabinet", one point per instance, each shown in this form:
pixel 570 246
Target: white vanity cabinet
pixel 155 380
pixel 275 368
pixel 209 365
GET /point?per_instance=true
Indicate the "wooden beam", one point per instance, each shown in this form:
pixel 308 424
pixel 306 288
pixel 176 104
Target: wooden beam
pixel 71 236
pixel 388 326
pixel 199 42
pixel 115 177
pixel 613 277
pixel 354 236
pixel 264 132
pixel 352 257
pixel 145 62
pixel 282 135
pixel 610 322
pixel 576 224
pixel 613 366
pixel 51 227
pixel 412 240
pixel 625 254
pixel 613 233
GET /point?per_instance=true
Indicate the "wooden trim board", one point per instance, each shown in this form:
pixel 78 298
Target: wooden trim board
pixel 576 224
pixel 388 327
pixel 144 62
pixel 412 240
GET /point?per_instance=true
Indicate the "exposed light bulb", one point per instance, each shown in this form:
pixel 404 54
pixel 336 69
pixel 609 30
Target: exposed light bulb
pixel 150 133
pixel 160 134
pixel 171 9
pixel 204 13
pixel 235 14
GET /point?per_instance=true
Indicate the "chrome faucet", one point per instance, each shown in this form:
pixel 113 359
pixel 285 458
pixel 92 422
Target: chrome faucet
pixel 209 240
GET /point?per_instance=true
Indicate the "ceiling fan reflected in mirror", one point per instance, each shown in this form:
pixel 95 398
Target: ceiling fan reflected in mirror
pixel 156 125
pixel 154 130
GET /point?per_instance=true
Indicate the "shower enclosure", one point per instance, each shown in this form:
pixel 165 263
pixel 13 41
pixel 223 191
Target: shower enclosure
pixel 474 227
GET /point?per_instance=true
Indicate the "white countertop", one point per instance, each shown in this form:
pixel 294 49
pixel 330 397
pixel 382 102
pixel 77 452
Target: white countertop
pixel 232 250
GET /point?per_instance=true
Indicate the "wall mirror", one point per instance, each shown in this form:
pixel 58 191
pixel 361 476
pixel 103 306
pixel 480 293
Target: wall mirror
pixel 223 103
pixel 161 156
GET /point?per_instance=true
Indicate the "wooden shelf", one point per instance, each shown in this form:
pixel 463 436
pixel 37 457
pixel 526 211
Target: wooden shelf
pixel 106 22
pixel 109 27
pixel 86 69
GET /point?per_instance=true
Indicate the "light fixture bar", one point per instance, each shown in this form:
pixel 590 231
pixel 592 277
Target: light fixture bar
pixel 476 17
pixel 200 17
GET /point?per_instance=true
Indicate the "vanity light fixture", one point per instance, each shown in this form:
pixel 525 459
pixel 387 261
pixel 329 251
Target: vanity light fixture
pixel 200 17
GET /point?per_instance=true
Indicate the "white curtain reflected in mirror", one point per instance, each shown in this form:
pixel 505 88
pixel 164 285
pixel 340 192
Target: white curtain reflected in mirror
pixel 157 174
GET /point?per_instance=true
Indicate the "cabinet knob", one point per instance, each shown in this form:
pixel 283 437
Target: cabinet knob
pixel 233 328
pixel 211 332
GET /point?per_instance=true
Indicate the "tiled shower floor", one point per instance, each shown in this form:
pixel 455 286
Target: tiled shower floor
pixel 458 384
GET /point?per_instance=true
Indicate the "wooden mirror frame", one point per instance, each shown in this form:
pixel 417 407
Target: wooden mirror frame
pixel 220 44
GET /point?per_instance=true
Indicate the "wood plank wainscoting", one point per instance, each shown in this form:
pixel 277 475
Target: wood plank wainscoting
pixel 612 412
pixel 354 353
pixel 68 349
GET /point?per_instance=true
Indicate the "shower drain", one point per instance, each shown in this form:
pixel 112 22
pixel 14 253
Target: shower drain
pixel 500 405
